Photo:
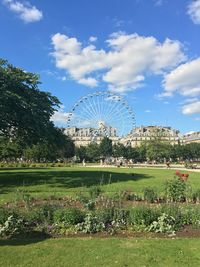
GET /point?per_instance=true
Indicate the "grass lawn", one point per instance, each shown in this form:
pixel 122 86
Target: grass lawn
pixel 62 181
pixel 94 252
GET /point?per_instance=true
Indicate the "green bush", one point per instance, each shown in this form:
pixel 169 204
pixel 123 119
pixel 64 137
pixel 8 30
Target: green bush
pixel 174 211
pixel 69 216
pixel 130 196
pixel 105 215
pixel 150 195
pixel 191 215
pixel 90 225
pixel 4 214
pixel 164 224
pixel 46 213
pixel 95 191
pixel 143 215
pixel 196 195
pixel 12 226
pixel 176 190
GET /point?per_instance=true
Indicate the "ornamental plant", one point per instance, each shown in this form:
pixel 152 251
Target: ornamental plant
pixel 12 226
pixel 176 189
pixel 164 224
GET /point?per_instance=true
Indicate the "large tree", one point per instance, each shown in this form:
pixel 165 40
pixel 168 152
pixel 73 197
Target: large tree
pixel 25 111
pixel 105 147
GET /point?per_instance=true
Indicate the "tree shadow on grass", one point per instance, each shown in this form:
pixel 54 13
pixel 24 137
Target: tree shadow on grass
pixel 66 179
pixel 32 238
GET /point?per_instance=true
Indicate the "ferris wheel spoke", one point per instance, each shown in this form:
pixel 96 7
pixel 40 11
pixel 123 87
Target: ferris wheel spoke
pixel 115 110
pixel 88 110
pixel 92 106
pixel 107 107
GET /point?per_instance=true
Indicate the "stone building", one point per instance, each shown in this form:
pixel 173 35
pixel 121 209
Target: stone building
pixel 147 133
pixel 193 137
pixel 84 136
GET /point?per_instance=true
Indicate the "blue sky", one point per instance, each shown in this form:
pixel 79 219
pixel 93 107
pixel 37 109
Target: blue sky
pixel 146 50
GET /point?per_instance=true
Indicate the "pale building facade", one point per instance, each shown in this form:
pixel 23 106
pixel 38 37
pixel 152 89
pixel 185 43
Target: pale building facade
pixel 191 138
pixel 84 136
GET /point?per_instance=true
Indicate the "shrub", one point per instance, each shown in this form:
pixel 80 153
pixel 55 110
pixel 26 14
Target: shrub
pixel 174 211
pixel 90 205
pixel 12 226
pixel 143 215
pixel 196 195
pixel 46 213
pixel 70 216
pixel 90 224
pixel 176 189
pixel 164 224
pixel 150 195
pixel 191 215
pixel 105 215
pixel 95 191
pixel 4 214
pixel 130 196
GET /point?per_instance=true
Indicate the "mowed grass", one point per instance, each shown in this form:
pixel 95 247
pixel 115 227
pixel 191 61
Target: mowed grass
pixel 71 180
pixel 109 252
pixel 93 251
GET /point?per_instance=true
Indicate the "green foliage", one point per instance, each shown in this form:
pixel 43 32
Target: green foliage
pixel 12 226
pixel 69 216
pixel 105 147
pixel 23 195
pixel 118 150
pixel 95 191
pixel 46 213
pixel 92 152
pixel 80 153
pixel 90 224
pixel 25 111
pixel 164 224
pixel 196 195
pixel 4 214
pixel 176 189
pixel 174 211
pixel 143 215
pixel 105 215
pixel 150 195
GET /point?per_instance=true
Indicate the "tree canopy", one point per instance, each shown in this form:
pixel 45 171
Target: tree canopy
pixel 25 111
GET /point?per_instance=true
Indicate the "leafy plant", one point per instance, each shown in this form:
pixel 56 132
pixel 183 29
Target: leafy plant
pixel 95 191
pixel 70 216
pixel 12 226
pixel 143 215
pixel 150 195
pixel 176 189
pixel 90 224
pixel 164 224
pixel 196 196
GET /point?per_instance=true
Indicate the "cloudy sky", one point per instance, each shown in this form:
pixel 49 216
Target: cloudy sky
pixel 148 51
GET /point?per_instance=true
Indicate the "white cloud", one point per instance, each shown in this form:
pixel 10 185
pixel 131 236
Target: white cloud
pixel 25 10
pixel 148 111
pixel 123 66
pixel 159 2
pixel 194 11
pixel 91 82
pixel 60 117
pixel 93 39
pixel 185 79
pixel 192 108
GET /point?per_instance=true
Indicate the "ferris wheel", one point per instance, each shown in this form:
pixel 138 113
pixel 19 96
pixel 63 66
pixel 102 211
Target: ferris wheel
pixel 103 114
